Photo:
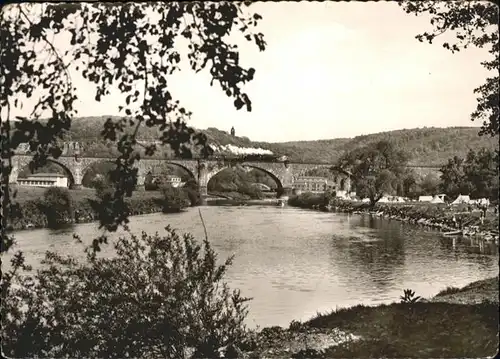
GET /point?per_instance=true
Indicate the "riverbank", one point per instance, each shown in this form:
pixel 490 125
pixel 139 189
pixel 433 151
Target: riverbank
pixel 457 322
pixel 473 293
pixel 33 217
pixel 453 220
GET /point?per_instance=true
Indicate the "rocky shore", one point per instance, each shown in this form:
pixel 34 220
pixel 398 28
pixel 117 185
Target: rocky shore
pixel 447 219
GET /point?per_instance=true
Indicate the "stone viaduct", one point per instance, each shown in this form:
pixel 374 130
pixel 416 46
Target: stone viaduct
pixel 283 173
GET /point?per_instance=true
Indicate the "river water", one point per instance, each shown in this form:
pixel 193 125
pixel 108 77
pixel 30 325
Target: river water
pixel 296 262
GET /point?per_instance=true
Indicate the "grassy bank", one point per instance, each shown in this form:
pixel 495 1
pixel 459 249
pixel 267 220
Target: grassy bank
pixel 455 323
pixel 32 215
pixel 476 292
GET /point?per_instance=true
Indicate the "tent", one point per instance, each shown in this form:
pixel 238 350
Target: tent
pixel 437 199
pixel 425 198
pixel 442 196
pixel 483 201
pixel 461 199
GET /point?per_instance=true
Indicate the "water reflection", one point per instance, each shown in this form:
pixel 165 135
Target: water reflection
pixel 296 262
pixel 471 245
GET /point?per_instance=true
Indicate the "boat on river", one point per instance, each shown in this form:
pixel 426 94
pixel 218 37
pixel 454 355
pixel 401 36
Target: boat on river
pixel 453 233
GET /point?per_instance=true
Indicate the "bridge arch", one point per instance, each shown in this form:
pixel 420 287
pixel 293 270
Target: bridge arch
pixel 188 171
pixel 91 166
pixel 215 172
pixel 279 185
pixel 67 171
pixel 159 168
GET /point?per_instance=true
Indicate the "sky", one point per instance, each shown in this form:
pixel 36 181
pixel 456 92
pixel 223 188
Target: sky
pixel 330 70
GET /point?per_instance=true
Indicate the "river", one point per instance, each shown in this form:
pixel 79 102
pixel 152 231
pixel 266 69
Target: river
pixel 296 262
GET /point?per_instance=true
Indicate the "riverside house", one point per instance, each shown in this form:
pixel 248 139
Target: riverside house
pixel 44 180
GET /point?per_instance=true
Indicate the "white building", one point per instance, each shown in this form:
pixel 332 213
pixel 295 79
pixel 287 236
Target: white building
pixel 310 184
pixel 44 180
pixel 174 181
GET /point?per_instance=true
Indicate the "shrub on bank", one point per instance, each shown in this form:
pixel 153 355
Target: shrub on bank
pixel 309 200
pixel 192 189
pixel 160 296
pixel 173 199
pixel 57 206
pixel 31 214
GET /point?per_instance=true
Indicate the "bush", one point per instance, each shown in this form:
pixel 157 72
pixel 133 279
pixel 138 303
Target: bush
pixel 159 296
pixel 309 199
pixel 173 199
pixel 192 190
pixel 57 206
pixel 251 191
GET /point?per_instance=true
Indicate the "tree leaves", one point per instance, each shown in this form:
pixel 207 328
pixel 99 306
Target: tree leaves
pixel 377 169
pixel 126 46
pixel 158 296
pixel 476 175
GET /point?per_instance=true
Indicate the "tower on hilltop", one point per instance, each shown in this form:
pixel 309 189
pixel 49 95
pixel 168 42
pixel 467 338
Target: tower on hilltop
pixel 232 131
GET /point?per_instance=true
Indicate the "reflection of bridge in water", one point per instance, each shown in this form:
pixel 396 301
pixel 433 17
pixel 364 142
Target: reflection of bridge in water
pixel 282 171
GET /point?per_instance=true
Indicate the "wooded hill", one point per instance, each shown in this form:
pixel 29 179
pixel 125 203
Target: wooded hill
pixel 425 146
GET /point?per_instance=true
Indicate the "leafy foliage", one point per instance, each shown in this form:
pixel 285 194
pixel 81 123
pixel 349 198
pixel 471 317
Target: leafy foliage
pixel 192 189
pixel 173 199
pixel 129 47
pixel 237 179
pixel 377 169
pixel 309 200
pixel 476 175
pixel 58 206
pixel 157 296
pixel 409 297
pixel 430 185
pixel 473 24
pixel 97 173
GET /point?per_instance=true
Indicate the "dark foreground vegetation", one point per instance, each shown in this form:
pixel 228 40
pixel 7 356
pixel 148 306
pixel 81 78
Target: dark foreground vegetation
pixel 402 330
pixel 164 296
pixel 160 296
